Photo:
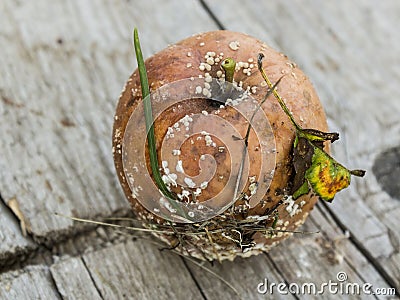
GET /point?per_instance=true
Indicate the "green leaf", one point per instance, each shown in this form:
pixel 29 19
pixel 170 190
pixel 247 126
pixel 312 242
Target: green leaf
pixel 151 140
pixel 302 190
pixel 326 176
pixel 313 166
pixel 148 113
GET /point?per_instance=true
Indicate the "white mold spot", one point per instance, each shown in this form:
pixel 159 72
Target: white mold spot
pixel 234 45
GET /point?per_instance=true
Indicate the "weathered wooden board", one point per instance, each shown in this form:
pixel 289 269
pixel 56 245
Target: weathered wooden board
pixel 138 270
pixel 63 66
pixel 321 257
pixel 244 274
pixel 33 282
pixel 305 258
pixel 63 69
pixel 350 51
pixel 73 280
pixel 13 245
pixel 339 249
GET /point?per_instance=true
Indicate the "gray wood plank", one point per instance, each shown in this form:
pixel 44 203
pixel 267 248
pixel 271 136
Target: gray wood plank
pixel 33 282
pixel 73 280
pixel 321 257
pixel 13 245
pixel 339 248
pixel 55 138
pixel 245 275
pixel 64 66
pixel 350 51
pixel 138 270
pixel 302 259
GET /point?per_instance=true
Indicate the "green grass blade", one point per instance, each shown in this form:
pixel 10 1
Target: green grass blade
pixel 148 116
pixel 148 113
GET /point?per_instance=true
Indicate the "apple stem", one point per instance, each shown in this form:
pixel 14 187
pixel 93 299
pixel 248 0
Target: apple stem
pixel 228 65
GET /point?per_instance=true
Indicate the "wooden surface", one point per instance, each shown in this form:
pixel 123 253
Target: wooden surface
pixel 63 65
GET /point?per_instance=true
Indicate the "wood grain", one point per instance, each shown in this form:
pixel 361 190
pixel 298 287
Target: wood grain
pixel 138 270
pixel 58 98
pixel 245 274
pixel 305 258
pixel 73 280
pixel 13 245
pixel 33 282
pixel 63 67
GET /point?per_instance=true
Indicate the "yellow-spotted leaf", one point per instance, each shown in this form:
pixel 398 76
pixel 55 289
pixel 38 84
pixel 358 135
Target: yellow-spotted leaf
pixel 326 176
pixel 313 167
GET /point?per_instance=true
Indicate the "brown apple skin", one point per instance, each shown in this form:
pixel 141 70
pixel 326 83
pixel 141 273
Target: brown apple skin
pixel 182 60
